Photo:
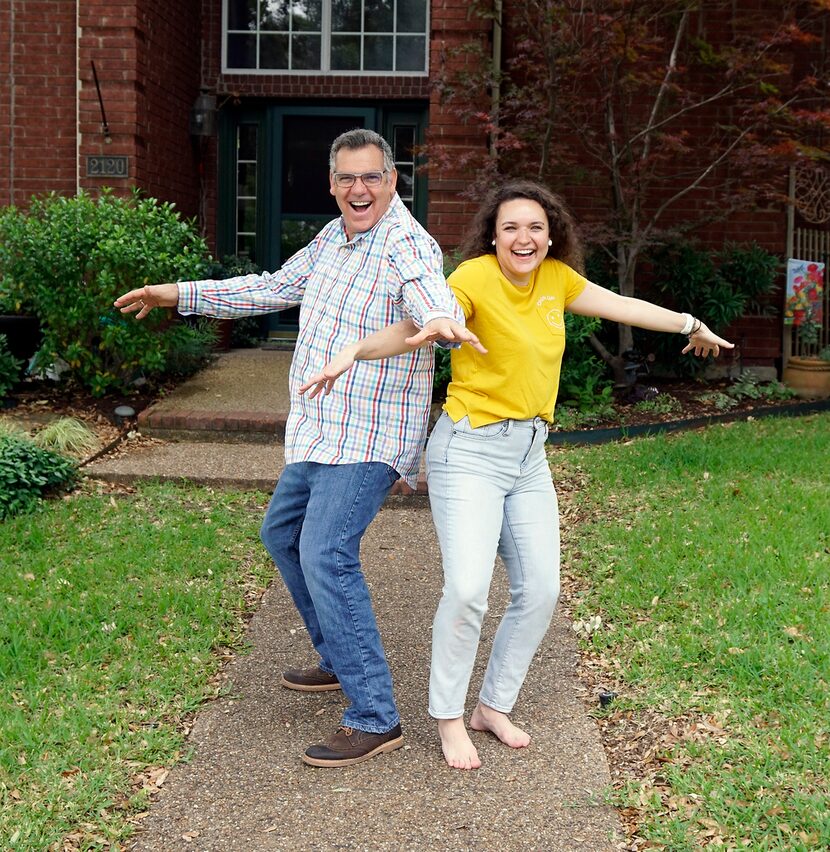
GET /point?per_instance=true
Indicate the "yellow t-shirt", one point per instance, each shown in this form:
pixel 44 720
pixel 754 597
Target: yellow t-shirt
pixel 523 329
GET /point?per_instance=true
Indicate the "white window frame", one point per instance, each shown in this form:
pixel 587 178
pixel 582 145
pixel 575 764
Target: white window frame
pixel 325 51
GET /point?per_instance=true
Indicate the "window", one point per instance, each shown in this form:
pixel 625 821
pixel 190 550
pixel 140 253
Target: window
pixel 246 189
pixel 328 36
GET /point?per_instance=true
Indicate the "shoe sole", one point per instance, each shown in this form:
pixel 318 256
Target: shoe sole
pixel 302 687
pixel 350 761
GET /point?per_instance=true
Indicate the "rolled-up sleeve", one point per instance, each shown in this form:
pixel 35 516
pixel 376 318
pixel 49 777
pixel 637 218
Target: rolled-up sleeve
pixel 418 280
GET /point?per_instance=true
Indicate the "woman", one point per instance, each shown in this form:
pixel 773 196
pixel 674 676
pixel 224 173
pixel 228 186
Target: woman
pixel 490 485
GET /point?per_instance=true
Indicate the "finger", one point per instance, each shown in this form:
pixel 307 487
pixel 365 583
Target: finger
pixel 128 307
pixel 310 383
pixel 128 298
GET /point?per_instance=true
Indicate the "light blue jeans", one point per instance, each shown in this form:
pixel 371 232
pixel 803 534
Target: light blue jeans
pixel 312 530
pixel 491 492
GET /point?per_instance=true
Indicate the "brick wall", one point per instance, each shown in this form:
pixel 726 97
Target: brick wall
pixel 37 98
pixel 146 54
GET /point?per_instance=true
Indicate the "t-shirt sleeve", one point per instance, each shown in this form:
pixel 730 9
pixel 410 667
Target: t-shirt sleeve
pixel 463 283
pixel 574 284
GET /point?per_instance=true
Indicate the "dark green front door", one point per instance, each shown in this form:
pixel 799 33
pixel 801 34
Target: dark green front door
pixel 274 187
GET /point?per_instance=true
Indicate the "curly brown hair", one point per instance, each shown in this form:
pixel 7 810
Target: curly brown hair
pixel 565 243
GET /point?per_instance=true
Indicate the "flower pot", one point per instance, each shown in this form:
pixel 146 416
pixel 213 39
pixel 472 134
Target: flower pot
pixel 808 377
pixel 23 334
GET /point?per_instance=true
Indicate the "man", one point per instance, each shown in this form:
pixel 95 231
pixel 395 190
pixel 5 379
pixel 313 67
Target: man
pixel 372 266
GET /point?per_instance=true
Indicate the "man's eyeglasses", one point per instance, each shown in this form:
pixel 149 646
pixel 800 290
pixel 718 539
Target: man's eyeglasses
pixel 370 179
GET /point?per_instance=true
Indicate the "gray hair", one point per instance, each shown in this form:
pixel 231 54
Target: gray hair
pixel 360 137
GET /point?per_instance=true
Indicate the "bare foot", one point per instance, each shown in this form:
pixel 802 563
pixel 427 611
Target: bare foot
pixel 485 718
pixel 458 748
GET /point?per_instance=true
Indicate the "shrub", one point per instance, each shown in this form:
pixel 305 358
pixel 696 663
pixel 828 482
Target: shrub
pixel 67 259
pixel 719 287
pixel 10 368
pixel 28 473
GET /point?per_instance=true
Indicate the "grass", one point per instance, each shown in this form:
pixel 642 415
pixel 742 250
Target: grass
pixel 113 609
pixel 707 556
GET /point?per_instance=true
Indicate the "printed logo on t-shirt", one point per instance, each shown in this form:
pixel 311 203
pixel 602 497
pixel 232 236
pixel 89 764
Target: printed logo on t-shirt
pixel 553 315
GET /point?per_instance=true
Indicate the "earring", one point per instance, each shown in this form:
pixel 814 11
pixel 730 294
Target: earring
pixel 550 242
pixel 493 243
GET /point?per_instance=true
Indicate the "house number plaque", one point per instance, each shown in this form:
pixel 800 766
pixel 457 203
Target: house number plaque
pixel 107 167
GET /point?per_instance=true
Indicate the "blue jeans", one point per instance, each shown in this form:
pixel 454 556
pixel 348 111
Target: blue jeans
pixel 491 492
pixel 312 530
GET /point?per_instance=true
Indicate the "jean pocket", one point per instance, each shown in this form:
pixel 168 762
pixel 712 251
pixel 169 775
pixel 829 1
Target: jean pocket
pixel 488 432
pixel 393 475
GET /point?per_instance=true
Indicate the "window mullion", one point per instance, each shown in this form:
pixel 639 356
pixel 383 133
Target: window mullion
pixel 325 38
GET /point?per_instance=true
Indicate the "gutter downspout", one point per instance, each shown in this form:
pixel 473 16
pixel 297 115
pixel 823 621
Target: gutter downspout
pixel 77 96
pixel 495 99
pixel 12 100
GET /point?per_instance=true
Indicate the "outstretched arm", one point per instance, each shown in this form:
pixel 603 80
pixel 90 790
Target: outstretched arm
pixel 403 336
pixel 596 301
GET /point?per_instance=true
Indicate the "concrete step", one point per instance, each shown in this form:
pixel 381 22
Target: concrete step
pixel 254 466
pixel 204 425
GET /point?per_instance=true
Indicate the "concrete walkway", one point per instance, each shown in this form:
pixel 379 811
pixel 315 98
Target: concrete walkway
pixel 246 788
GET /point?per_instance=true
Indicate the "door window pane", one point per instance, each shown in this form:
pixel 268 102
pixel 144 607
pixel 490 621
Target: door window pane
pixel 246 183
pixel 298 233
pixel 406 184
pixel 306 140
pixel 403 141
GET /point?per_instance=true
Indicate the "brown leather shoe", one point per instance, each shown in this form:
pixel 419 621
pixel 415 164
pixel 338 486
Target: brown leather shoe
pixel 349 745
pixel 309 680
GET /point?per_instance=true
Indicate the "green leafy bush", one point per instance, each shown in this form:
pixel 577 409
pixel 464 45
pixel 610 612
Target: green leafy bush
pixel 67 259
pixel 10 368
pixel 28 473
pixel 719 287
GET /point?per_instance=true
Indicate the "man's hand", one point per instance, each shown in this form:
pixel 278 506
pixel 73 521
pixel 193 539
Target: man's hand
pixel 325 379
pixel 704 341
pixel 445 329
pixel 146 298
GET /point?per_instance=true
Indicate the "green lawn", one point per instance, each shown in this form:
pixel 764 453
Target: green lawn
pixel 113 607
pixel 707 556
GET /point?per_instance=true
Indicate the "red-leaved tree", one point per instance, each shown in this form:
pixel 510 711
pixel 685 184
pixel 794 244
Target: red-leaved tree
pixel 653 116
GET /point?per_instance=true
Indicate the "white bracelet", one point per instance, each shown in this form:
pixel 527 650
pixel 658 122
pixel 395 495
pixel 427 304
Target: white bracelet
pixel 688 325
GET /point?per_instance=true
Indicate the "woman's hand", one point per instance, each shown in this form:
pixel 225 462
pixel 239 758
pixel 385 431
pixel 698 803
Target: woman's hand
pixel 144 299
pixel 704 342
pixel 325 379
pixel 444 329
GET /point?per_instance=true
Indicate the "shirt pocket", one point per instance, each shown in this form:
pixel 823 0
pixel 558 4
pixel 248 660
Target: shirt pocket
pixel 552 316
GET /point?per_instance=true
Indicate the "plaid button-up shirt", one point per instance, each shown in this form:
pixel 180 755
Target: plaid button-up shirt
pixel 346 290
